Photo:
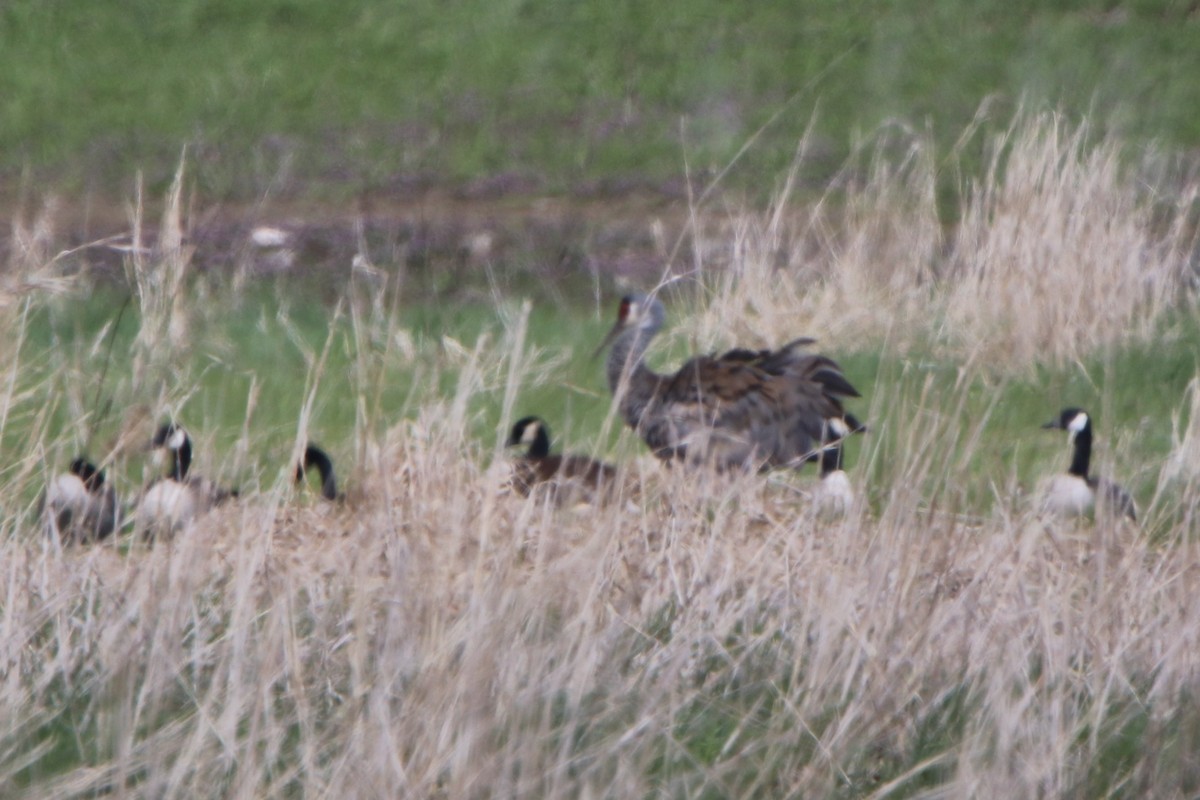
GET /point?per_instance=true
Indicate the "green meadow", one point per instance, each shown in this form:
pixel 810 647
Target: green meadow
pixel 254 358
pixel 301 96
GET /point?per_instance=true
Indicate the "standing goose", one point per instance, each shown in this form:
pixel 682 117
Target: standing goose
pixel 316 457
pixel 759 408
pixel 538 467
pixel 78 505
pixel 173 501
pixel 1077 492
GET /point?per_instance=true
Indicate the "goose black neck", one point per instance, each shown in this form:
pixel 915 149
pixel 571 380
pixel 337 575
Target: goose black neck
pixel 831 459
pixel 1083 453
pixel 87 472
pixel 181 460
pixel 316 457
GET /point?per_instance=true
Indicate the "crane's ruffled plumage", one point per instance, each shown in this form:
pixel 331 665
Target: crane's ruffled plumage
pixel 759 408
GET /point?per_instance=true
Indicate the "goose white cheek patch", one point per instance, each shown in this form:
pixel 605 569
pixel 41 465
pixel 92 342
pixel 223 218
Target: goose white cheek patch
pixel 1078 423
pixel 176 440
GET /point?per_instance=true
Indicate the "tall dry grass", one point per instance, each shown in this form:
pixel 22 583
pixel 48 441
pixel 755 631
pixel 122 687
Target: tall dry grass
pixel 156 270
pixel 1065 244
pixel 702 636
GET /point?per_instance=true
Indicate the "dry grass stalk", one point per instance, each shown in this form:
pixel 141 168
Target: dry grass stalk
pixel 157 275
pixel 445 641
pixel 1059 249
pixel 708 635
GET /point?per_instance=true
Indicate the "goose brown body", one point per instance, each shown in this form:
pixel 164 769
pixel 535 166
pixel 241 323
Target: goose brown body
pixel 539 467
pixel 745 408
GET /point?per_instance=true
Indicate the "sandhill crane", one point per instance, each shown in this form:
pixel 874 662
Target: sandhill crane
pixel 78 505
pixel 171 502
pixel 1076 492
pixel 745 408
pixel 578 475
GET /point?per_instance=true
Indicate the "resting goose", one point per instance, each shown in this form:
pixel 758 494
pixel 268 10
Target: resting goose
pixel 539 467
pixel 171 502
pixel 1076 492
pixel 78 505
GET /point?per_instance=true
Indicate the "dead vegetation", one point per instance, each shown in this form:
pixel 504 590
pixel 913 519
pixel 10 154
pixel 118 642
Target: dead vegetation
pixel 704 636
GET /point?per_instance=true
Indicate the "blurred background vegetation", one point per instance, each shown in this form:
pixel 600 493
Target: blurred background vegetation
pixel 325 100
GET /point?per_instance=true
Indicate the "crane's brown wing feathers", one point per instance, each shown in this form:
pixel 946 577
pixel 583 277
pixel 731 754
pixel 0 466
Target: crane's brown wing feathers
pixel 710 382
pixel 734 411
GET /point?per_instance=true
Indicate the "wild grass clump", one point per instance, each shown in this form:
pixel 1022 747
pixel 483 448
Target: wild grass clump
pixel 156 270
pixel 707 635
pixel 1062 250
pixel 855 268
pixel 1063 246
pixel 701 635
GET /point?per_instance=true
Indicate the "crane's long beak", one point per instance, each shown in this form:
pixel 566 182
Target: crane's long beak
pixel 612 334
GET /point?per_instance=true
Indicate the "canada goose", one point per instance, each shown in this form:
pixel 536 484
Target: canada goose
pixel 78 505
pixel 1077 492
pixel 538 467
pixel 759 408
pixel 316 457
pixel 175 500
pixel 834 495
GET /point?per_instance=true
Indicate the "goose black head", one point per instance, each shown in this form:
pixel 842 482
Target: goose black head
pixel 530 431
pixel 1078 426
pixel 848 424
pixel 170 436
pixel 175 440
pixel 1072 420
pixel 86 471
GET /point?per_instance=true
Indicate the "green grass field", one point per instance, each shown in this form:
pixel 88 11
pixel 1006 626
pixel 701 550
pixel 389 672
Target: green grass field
pixel 302 96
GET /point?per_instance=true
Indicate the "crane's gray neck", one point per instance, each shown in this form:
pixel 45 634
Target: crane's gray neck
pixel 626 356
